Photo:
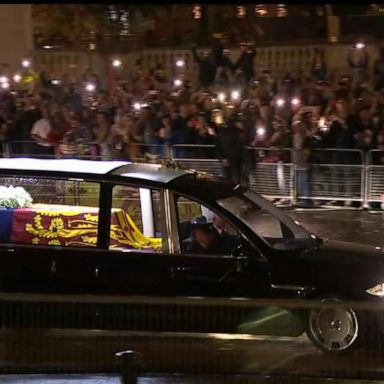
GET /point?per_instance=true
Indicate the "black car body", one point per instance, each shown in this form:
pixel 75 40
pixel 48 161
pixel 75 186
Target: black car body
pixel 116 229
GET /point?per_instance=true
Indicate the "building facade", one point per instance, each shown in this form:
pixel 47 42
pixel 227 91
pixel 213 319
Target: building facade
pixel 16 35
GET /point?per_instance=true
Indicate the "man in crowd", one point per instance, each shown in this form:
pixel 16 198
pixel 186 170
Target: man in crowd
pixel 206 68
pixel 245 62
pixel 40 132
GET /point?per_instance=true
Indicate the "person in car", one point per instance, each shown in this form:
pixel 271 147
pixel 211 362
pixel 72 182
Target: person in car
pixel 229 242
pixel 204 238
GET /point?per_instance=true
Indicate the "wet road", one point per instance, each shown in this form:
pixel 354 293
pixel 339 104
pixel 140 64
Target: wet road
pixel 358 226
pixel 175 379
pixel 93 351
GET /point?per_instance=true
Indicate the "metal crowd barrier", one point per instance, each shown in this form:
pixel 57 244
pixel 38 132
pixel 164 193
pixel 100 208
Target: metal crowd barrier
pixel 336 174
pixel 374 192
pixel 333 174
pixel 270 172
pixel 204 158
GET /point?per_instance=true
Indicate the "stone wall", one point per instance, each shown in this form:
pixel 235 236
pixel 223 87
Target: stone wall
pixel 279 59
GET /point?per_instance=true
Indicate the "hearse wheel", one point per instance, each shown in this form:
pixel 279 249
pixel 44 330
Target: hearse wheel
pixel 334 330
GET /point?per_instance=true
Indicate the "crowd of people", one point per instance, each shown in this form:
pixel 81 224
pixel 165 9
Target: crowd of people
pixel 234 106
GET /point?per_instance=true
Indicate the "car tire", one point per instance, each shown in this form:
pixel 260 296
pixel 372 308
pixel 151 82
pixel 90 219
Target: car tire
pixel 335 330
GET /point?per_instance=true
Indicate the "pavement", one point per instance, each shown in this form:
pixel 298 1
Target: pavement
pixel 176 379
pixel 205 358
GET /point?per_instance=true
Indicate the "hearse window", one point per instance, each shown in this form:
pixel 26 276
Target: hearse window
pixel 201 231
pixel 45 211
pixel 136 220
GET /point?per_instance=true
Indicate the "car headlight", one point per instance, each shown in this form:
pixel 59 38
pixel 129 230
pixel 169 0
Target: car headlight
pixel 377 290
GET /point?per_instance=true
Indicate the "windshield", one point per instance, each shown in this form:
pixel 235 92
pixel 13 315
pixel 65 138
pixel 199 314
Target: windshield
pixel 271 224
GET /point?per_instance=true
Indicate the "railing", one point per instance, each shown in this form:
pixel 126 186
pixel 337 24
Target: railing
pixel 374 177
pixel 337 174
pixel 270 172
pixel 205 158
pixel 343 175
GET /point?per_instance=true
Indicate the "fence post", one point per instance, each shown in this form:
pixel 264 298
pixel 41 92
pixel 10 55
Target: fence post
pixel 364 180
pixel 294 185
pixel 130 361
pixel 5 148
pixel 169 151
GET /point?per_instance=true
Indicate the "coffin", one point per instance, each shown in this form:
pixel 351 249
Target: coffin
pixel 67 225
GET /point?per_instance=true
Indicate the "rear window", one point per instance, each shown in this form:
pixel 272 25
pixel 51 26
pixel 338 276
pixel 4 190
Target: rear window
pixel 46 211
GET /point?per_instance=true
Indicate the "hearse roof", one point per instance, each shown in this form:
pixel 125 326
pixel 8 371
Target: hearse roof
pixel 152 172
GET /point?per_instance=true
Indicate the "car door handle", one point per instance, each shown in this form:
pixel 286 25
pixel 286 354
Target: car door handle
pixel 180 270
pixel 185 269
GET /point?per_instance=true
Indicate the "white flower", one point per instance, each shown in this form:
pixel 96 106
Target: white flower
pixel 23 198
pixel 14 197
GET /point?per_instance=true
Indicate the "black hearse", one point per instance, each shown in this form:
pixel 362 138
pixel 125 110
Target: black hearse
pixel 83 229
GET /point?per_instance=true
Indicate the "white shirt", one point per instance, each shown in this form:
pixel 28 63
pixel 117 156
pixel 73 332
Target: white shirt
pixel 41 128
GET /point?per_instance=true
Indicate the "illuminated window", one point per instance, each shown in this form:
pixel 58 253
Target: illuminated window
pixel 261 10
pixel 241 11
pixel 373 9
pixel 281 10
pixel 124 22
pixel 197 12
pixel 112 14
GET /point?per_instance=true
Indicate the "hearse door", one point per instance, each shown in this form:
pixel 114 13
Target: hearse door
pixel 226 275
pixel 135 263
pixel 25 268
pixel 236 270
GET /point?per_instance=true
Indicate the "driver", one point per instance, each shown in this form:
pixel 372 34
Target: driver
pixel 229 242
pixel 204 239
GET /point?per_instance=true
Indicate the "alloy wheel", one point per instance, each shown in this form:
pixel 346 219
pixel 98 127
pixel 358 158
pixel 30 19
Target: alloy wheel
pixel 333 329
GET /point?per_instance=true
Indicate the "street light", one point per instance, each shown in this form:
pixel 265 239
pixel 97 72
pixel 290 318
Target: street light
pixel 5 85
pixel 180 63
pixel 3 79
